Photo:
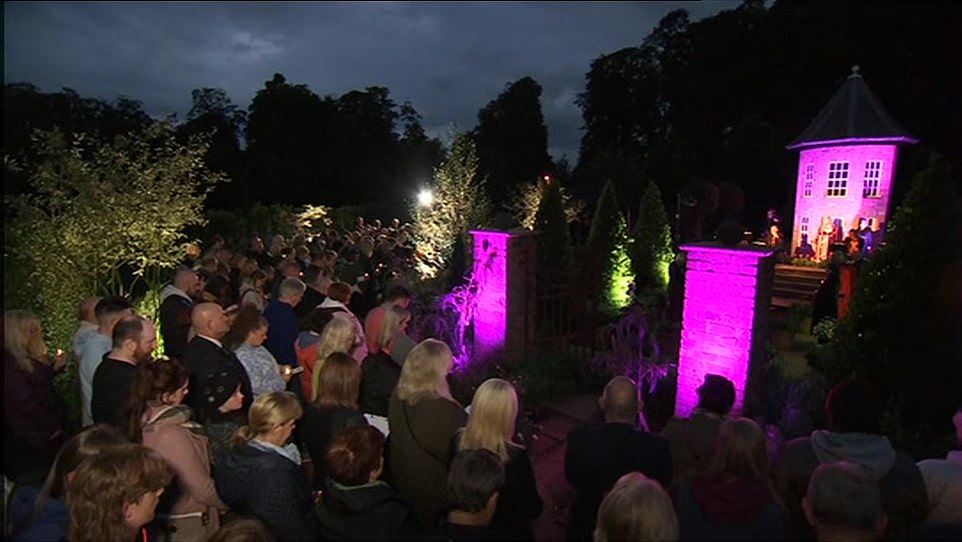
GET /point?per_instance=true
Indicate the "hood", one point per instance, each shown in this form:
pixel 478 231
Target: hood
pixel 730 501
pixel 356 499
pixel 330 303
pixel 874 453
pixel 170 290
pixel 306 339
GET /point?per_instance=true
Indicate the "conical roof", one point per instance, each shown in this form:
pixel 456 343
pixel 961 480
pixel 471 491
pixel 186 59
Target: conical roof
pixel 853 115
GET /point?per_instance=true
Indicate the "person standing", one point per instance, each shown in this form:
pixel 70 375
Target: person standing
pixel 109 311
pixel 135 339
pixel 205 355
pixel 176 304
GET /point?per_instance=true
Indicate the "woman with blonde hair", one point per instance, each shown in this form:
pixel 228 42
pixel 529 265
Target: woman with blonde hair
pixel 733 498
pixel 636 508
pixel 158 418
pixel 262 477
pixel 338 336
pixel 40 512
pixel 382 367
pixel 115 493
pixel 491 426
pixel 34 415
pixel 334 408
pixel 423 417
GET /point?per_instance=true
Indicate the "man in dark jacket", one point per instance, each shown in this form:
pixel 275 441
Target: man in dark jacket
pixel 176 303
pixel 205 355
pixel 597 455
pixel 852 412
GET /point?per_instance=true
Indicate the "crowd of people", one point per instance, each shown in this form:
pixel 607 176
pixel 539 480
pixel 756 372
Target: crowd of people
pixel 290 403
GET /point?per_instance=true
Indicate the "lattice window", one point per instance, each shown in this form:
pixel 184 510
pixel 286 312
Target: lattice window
pixel 837 180
pixel 803 227
pixel 872 178
pixel 809 180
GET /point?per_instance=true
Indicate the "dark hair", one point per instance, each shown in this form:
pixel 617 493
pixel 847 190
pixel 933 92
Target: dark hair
pixel 852 407
pixel 129 328
pixel 249 318
pixel 339 291
pixel 354 453
pixel 110 305
pixel 150 382
pixel 716 394
pixel 397 292
pixel 219 286
pixel 473 477
pixel 340 381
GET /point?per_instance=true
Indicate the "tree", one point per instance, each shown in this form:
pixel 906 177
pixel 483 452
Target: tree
pixel 459 205
pixel 213 113
pixel 899 333
pixel 607 265
pixel 419 154
pixel 554 241
pixel 102 217
pixel 367 148
pixel 512 140
pixel 652 252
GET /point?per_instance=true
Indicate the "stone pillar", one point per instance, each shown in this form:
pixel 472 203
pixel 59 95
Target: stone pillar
pixel 724 323
pixel 504 268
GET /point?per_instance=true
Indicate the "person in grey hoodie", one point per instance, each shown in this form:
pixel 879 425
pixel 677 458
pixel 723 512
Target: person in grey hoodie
pixel 852 411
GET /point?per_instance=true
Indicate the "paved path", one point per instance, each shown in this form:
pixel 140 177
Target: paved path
pixel 547 449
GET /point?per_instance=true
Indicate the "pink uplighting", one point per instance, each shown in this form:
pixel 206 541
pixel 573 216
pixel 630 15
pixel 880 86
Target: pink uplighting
pixel 721 306
pixel 491 273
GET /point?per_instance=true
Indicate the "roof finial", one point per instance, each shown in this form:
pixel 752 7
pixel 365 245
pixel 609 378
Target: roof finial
pixel 855 69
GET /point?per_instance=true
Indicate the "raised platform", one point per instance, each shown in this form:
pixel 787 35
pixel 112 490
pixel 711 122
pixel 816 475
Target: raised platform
pixel 796 284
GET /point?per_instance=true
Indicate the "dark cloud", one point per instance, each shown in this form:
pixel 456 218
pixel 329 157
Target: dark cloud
pixel 449 59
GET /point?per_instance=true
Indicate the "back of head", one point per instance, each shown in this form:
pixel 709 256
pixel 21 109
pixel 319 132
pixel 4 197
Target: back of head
pixel 110 308
pixel 397 293
pixel 424 370
pixel 248 319
pixel 740 451
pixel 267 411
pixel 291 287
pixel 86 310
pixel 636 508
pixel 491 424
pixel 473 477
pixel 620 400
pixel 716 394
pixel 354 454
pixel 394 318
pixel 339 291
pixel 339 381
pixel 841 496
pixel 184 278
pixel 106 483
pixel 852 407
pixel 129 328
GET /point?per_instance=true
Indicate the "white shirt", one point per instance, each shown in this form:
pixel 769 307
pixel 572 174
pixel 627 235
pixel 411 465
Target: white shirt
pixel 92 355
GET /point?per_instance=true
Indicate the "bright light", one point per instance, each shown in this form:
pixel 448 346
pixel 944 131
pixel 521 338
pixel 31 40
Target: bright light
pixel 425 198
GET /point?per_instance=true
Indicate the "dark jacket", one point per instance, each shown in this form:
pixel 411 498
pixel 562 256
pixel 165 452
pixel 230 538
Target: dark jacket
pixel 904 497
pixel 284 326
pixel 270 487
pixel 713 509
pixel 34 418
pixel 379 376
pixel 174 323
pixel 691 440
pixel 111 386
pixel 519 501
pixel 204 358
pixel 317 428
pixel 369 512
pixel 597 455
pixel 51 525
pixel 419 443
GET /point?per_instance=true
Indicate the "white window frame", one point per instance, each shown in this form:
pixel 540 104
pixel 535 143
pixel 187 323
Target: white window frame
pixel 803 229
pixel 809 181
pixel 837 185
pixel 872 179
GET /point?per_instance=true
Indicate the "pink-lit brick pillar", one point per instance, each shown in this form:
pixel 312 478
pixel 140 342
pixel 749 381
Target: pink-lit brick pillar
pixel 727 298
pixel 504 266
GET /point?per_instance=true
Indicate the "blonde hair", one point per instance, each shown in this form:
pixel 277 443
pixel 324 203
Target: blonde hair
pixel 267 412
pixel 338 335
pixel 636 508
pixel 423 372
pixel 491 424
pixel 23 337
pixel 394 315
pixel 106 483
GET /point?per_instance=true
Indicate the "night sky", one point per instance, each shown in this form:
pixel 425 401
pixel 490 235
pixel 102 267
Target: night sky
pixel 449 59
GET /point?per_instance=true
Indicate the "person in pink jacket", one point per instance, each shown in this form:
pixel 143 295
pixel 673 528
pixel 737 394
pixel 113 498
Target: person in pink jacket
pixel 162 423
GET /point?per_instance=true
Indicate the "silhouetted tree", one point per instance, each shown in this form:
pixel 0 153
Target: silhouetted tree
pixel 554 241
pixel 214 113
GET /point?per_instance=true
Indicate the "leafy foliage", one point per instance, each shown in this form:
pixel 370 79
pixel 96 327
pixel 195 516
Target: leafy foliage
pixel 459 205
pixel 652 250
pixel 102 218
pixel 608 240
pixel 899 333
pixel 554 241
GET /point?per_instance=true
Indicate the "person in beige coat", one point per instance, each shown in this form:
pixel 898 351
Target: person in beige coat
pixel 162 423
